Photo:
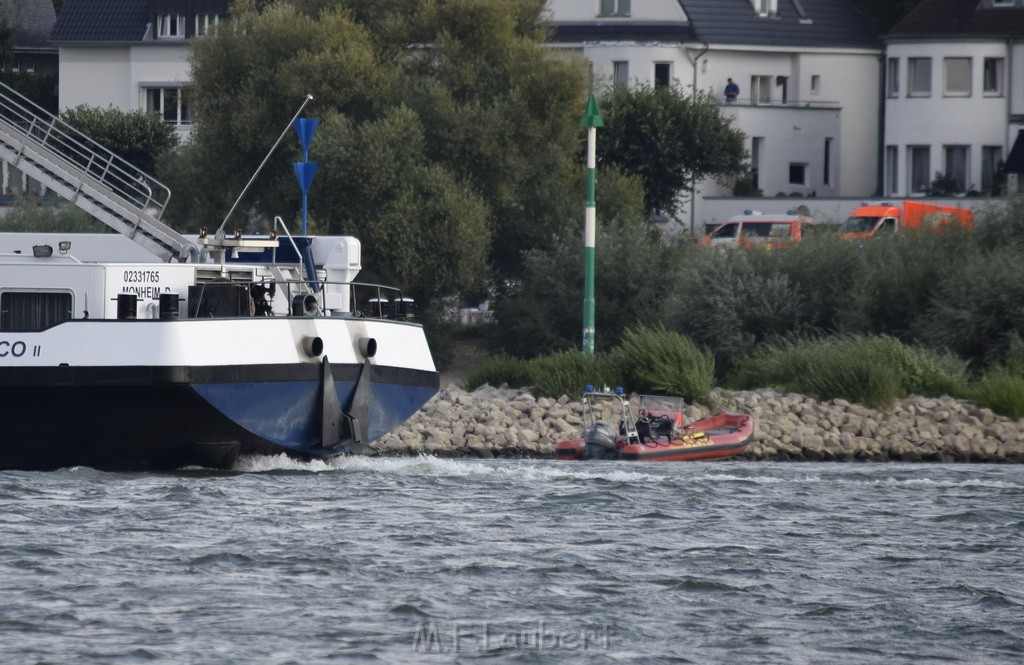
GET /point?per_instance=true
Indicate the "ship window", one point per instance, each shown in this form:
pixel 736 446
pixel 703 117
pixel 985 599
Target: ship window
pixel 33 311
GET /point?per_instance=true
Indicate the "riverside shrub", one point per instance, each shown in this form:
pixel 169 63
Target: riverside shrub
pixel 568 373
pixel 871 370
pixel 659 361
pixel 501 369
pixel 1002 391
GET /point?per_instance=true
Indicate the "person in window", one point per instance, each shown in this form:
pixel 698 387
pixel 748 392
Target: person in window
pixel 732 91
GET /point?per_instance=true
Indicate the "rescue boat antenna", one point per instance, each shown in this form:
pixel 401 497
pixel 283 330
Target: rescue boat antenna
pixel 291 122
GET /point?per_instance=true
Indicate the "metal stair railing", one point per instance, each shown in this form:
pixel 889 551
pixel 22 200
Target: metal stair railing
pixel 89 175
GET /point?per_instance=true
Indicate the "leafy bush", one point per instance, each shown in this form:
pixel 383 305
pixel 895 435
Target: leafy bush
pixel 1002 391
pixel 568 372
pixel 1015 354
pixel 729 302
pixel 655 360
pixel 140 138
pixel 871 370
pixel 501 369
pixel 975 306
pixel 543 311
pixel 45 215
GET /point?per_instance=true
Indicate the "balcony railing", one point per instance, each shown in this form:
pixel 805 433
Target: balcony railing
pixel 789 103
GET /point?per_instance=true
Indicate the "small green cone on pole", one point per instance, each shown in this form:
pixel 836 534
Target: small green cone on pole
pixel 591 121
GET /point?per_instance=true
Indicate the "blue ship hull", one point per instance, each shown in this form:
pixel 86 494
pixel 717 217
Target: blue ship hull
pixel 128 418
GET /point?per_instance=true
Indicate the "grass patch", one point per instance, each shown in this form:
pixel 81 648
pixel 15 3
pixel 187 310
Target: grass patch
pixel 1002 391
pixel 501 369
pixel 874 371
pixel 568 372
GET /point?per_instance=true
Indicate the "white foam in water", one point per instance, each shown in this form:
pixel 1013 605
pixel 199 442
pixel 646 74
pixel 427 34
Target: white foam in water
pixel 437 467
pixel 264 463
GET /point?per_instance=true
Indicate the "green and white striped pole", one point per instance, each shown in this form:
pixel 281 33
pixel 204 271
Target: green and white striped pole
pixel 591 120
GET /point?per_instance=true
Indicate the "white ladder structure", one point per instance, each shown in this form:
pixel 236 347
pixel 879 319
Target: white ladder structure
pixel 57 155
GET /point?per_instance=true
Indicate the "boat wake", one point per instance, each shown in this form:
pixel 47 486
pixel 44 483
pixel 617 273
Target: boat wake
pixel 436 467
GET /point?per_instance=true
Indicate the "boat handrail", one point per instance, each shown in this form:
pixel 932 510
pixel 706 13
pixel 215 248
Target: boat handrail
pixel 279 221
pixel 119 175
pixel 380 301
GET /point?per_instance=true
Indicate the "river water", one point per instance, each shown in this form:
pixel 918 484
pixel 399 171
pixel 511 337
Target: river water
pixel 427 560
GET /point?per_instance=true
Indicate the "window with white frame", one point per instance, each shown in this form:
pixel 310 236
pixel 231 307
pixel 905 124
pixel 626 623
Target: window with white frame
pixel 956 165
pixel 797 173
pixel 815 84
pixel 991 156
pixel 892 168
pixel 662 74
pixel 919 77
pixel 919 161
pixel 782 83
pixel 892 77
pixel 958 77
pixel 992 76
pixel 765 7
pixel 761 89
pixel 170 103
pixel 615 8
pixel 170 26
pixel 204 22
pixel 620 72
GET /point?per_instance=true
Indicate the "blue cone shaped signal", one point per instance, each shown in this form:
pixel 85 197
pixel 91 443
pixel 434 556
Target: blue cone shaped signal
pixel 305 128
pixel 304 171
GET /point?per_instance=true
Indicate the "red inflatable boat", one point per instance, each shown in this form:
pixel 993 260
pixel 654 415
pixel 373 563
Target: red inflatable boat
pixel 658 435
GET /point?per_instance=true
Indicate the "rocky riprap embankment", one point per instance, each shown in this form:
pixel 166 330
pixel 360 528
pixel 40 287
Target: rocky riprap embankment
pixel 500 422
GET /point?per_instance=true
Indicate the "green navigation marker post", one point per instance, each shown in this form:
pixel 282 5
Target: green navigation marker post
pixel 591 120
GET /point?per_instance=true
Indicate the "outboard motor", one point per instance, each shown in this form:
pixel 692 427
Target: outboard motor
pixel 600 442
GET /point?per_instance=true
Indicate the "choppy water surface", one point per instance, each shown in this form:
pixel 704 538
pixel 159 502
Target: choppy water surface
pixel 425 560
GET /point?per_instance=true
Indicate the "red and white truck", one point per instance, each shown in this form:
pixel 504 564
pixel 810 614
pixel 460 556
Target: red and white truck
pixel 871 220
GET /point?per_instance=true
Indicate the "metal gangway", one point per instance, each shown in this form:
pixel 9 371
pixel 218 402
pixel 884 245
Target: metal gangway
pixel 63 159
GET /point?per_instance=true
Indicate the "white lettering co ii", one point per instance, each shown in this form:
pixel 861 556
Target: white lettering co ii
pixel 485 636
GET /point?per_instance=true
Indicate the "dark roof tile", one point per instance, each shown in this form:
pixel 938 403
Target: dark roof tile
pixel 663 31
pixel 807 23
pixel 942 18
pixel 102 21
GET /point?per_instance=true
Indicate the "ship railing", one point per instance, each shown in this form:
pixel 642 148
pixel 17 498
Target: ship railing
pixel 96 161
pixel 365 299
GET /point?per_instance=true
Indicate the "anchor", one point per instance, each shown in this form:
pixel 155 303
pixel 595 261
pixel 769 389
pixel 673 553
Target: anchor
pixel 340 429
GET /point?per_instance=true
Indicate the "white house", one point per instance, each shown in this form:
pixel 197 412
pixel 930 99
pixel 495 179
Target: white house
pixel 131 54
pixel 809 73
pixel 954 101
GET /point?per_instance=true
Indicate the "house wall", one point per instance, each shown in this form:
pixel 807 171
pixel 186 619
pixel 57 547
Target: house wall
pixel 126 71
pixel 940 120
pixel 791 135
pixel 96 76
pixel 849 84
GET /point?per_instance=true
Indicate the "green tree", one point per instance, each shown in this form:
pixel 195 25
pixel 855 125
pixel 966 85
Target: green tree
pixel 668 139
pixel 543 310
pixel 448 130
pixel 138 137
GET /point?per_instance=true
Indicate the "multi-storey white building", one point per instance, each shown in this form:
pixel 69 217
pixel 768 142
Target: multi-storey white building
pixel 954 101
pixel 809 73
pixel 131 54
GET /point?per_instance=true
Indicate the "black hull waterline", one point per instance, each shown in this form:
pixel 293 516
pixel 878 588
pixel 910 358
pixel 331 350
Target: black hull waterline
pixel 141 418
